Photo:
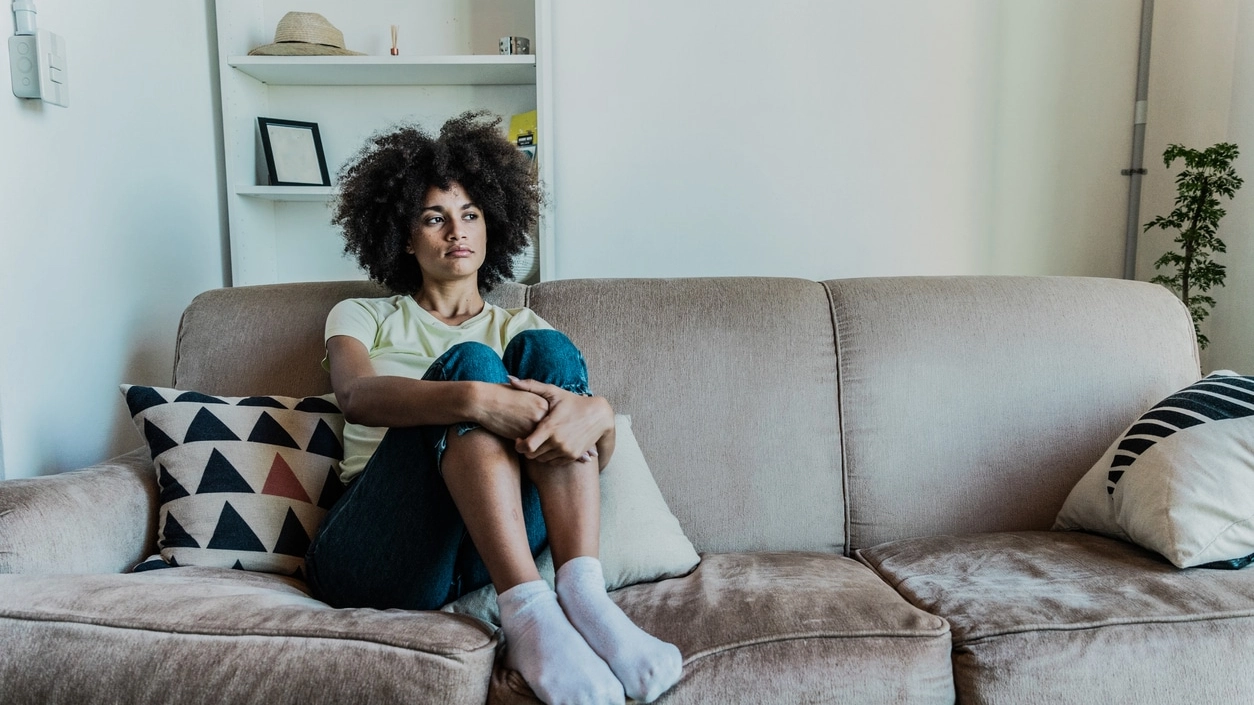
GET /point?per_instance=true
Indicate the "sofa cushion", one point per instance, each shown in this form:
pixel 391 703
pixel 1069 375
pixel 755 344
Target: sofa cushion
pixel 244 481
pixel 100 519
pixel 784 628
pixel 1180 480
pixel 221 635
pixel 709 369
pixel 1051 617
pixel 973 404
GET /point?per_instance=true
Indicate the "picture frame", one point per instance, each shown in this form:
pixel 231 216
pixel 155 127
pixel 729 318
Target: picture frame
pixel 294 155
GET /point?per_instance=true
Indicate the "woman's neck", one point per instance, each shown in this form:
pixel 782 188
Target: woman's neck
pixel 453 304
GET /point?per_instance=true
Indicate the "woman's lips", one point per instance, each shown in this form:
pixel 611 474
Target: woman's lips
pixel 460 252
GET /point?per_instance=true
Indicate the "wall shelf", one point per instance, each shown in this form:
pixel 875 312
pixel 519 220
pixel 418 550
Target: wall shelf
pixel 287 193
pixel 460 70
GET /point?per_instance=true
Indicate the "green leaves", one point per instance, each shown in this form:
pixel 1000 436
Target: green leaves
pixel 1207 175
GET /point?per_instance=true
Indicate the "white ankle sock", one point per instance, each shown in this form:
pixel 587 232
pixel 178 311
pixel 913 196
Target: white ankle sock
pixel 644 664
pixel 551 656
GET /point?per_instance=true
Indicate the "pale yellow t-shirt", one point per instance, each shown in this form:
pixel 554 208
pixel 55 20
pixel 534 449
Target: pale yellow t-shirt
pixel 404 339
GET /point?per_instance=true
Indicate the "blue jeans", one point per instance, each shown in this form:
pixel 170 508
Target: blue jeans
pixel 395 539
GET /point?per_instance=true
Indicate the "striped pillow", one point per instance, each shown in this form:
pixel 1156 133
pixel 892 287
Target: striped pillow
pixel 1180 479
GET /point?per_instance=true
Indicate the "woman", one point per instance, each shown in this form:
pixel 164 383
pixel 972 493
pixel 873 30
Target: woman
pixel 471 438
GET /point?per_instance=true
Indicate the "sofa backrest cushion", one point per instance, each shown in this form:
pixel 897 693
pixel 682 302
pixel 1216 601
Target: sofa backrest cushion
pixel 731 386
pixel 973 404
pixel 268 339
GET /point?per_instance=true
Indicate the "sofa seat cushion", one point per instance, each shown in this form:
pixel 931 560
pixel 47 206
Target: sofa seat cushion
pixel 210 635
pixel 784 628
pixel 1063 617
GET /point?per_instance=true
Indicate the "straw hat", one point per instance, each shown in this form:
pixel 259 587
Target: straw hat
pixel 305 34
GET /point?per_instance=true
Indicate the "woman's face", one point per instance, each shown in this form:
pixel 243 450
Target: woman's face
pixel 449 238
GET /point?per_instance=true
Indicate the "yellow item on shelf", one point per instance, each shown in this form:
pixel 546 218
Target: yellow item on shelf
pixel 523 125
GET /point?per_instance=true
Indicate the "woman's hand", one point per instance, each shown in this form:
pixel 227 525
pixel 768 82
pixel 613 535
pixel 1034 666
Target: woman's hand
pixel 571 429
pixel 508 412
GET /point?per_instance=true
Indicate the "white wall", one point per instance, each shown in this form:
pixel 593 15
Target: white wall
pixel 1232 324
pixel 835 139
pixel 112 223
pixel 1192 99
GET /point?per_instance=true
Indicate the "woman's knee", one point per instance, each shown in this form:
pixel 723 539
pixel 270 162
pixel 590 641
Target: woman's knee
pixel 469 361
pixel 541 341
pixel 548 356
pixel 472 352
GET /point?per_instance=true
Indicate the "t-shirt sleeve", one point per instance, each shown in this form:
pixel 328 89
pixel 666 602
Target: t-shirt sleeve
pixel 352 318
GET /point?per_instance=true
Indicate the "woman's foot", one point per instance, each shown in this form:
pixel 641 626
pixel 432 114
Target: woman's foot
pixel 551 656
pixel 644 664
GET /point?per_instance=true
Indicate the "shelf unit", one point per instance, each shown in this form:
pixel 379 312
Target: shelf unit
pixel 283 233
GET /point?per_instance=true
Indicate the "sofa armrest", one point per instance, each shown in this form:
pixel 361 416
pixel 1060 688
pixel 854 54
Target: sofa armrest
pixel 101 519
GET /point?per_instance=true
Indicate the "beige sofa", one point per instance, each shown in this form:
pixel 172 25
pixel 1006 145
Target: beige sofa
pixel 868 466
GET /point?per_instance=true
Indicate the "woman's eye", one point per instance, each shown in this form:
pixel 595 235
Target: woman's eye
pixel 472 216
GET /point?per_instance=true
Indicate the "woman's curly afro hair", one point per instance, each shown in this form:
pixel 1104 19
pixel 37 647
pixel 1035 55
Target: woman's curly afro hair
pixel 381 190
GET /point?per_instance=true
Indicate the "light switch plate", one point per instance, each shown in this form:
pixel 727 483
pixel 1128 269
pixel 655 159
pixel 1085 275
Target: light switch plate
pixel 24 66
pixel 38 66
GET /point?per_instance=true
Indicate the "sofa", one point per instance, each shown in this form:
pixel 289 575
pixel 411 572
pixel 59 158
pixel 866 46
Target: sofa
pixel 870 469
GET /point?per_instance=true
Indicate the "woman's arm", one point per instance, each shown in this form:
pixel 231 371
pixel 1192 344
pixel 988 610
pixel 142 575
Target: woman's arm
pixel 605 447
pixel 386 401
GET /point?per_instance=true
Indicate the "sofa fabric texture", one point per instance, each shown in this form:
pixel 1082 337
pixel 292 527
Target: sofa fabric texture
pixel 989 397
pixel 212 635
pixel 782 628
pixel 98 520
pixel 731 386
pixel 1065 617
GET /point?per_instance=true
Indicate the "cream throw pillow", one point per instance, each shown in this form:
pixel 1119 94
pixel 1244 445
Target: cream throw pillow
pixel 641 540
pixel 1180 480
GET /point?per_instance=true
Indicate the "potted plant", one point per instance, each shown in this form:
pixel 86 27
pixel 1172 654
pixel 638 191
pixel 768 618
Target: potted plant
pixel 1207 175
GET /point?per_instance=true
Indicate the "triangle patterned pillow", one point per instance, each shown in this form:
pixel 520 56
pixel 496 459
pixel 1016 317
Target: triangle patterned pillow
pixel 243 481
pixel 1180 479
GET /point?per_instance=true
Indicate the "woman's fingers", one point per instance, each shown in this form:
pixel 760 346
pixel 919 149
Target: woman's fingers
pixel 569 431
pixel 533 444
pixel 549 457
pixel 547 391
pixel 543 447
pixel 560 457
pixel 514 413
pixel 552 451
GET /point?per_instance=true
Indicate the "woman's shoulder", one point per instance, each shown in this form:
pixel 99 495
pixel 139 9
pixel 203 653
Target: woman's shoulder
pixel 381 306
pixel 362 317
